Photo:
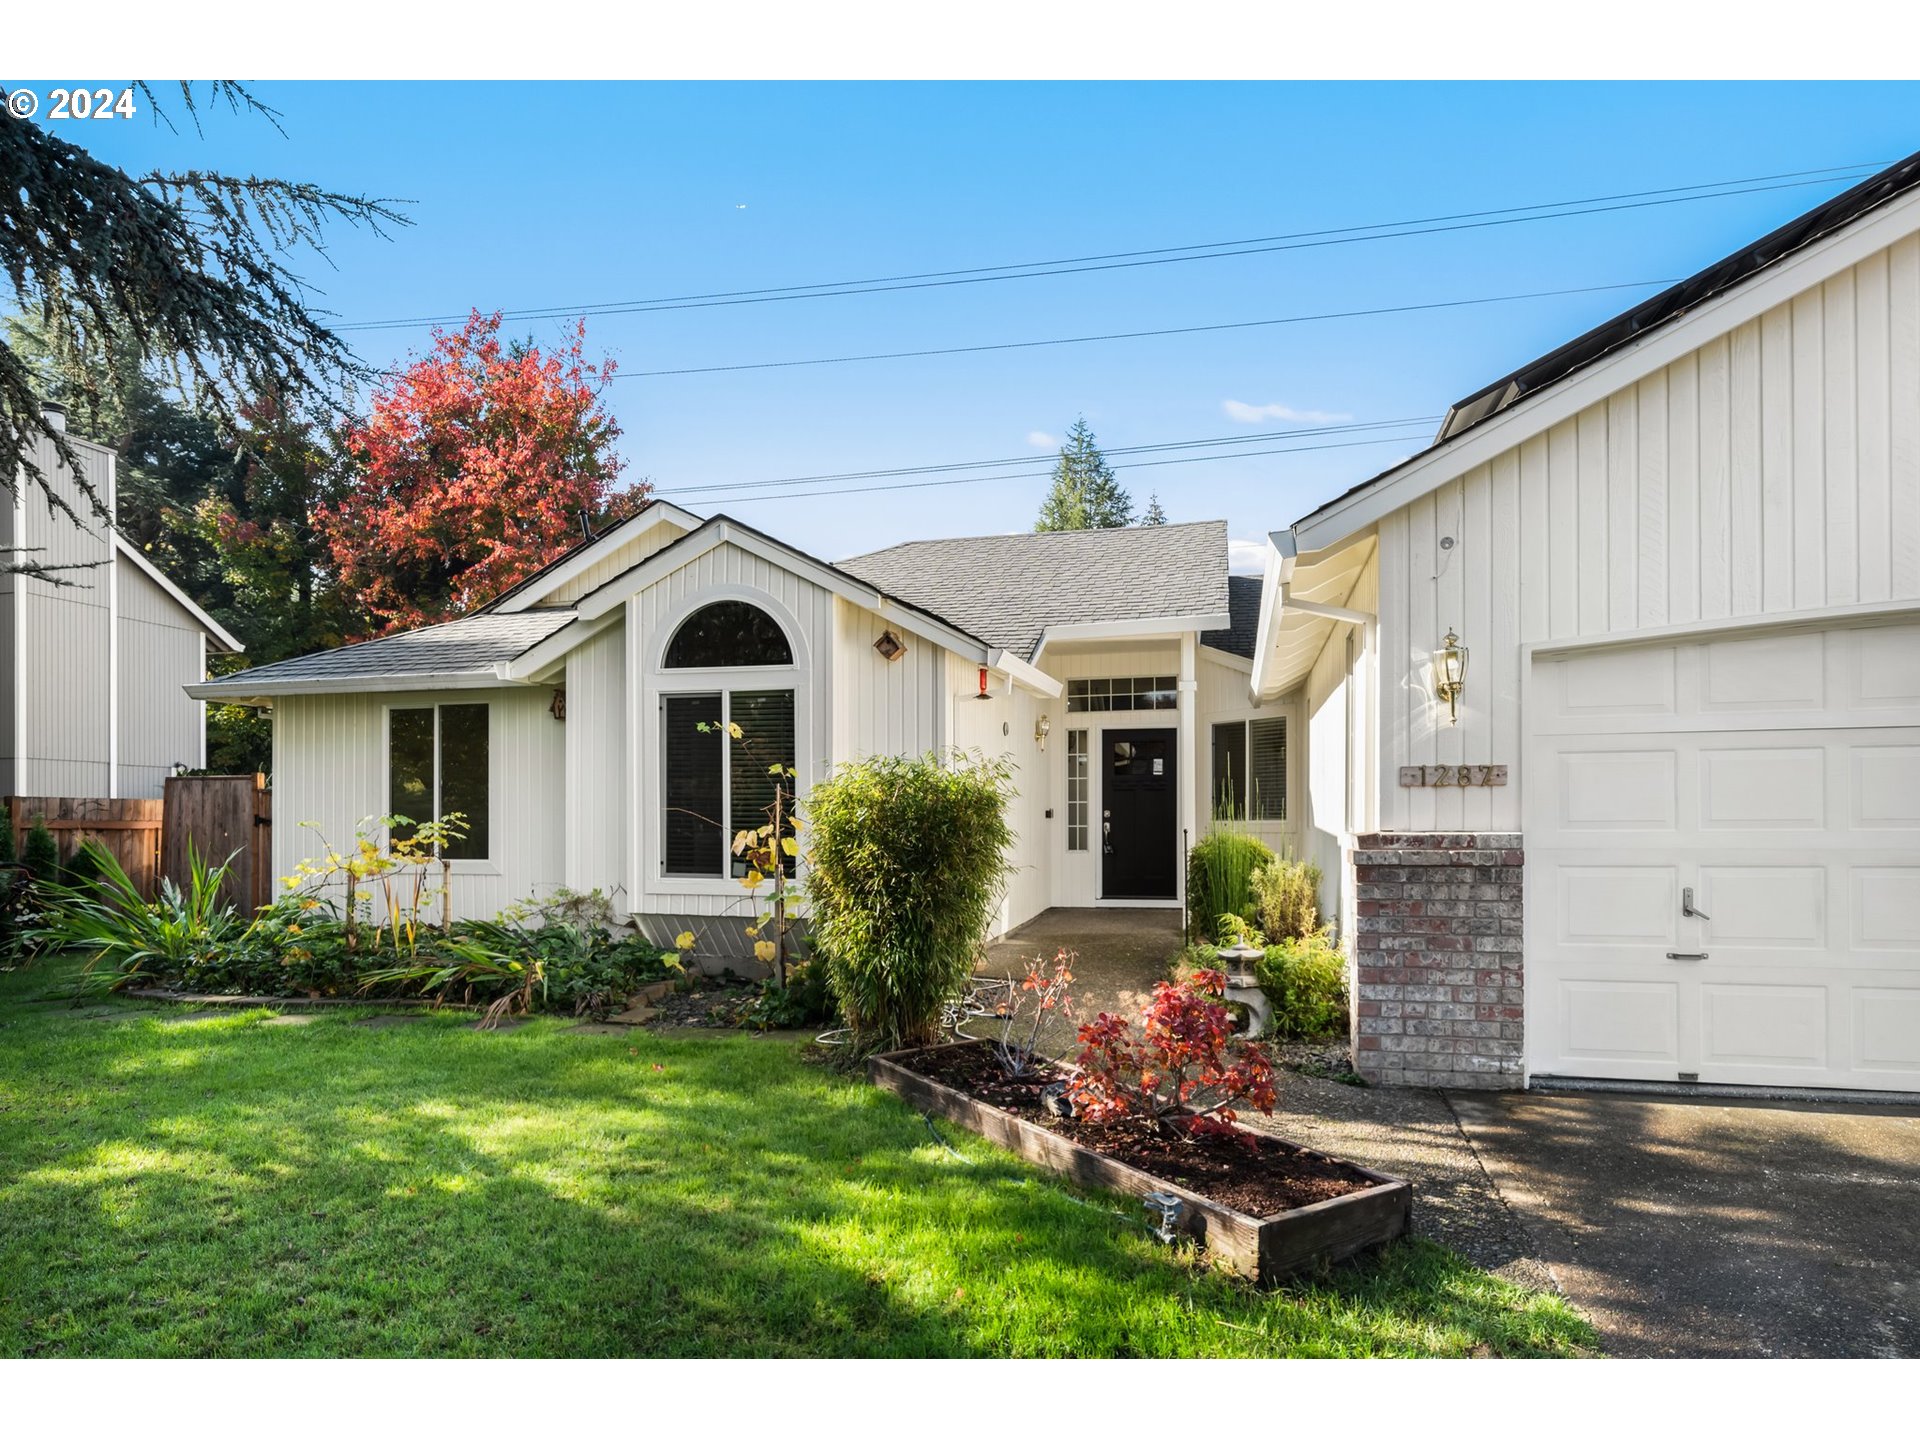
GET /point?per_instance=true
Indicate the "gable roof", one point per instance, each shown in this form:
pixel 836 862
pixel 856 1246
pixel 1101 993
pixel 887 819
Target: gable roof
pixel 1243 626
pixel 1671 305
pixel 1011 589
pixel 460 652
pixel 215 630
pixel 579 556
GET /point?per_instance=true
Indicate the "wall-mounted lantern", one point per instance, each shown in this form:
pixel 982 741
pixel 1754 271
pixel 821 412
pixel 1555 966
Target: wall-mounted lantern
pixel 1450 674
pixel 1041 729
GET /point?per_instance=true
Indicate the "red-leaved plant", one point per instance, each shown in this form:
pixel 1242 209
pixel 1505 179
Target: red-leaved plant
pixel 1042 995
pixel 1175 1072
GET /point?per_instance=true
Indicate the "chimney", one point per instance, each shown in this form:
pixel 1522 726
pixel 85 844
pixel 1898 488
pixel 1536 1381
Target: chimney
pixel 54 413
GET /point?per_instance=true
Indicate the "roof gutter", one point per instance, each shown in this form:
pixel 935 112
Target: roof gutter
pixel 1023 674
pixel 1283 552
pixel 237 691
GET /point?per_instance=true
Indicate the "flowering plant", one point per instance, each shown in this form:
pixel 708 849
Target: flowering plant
pixel 1043 994
pixel 1176 1072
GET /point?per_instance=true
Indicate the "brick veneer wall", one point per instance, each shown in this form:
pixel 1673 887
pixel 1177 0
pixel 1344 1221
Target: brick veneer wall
pixel 1437 960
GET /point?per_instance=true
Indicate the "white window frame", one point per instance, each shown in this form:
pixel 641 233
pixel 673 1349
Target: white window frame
pixel 650 754
pixel 725 693
pixel 490 865
pixel 1246 723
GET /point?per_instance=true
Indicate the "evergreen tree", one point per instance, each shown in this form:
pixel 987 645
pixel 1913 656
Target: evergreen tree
pixel 8 854
pixel 41 855
pixel 1156 513
pixel 1084 494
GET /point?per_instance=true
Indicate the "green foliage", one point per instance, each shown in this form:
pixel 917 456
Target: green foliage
pixel 1220 879
pixel 1233 930
pixel 240 1189
pixel 907 860
pixel 128 940
pixel 1156 513
pixel 9 852
pixel 41 854
pixel 1306 982
pixel 805 1002
pixel 1286 897
pixel 1084 494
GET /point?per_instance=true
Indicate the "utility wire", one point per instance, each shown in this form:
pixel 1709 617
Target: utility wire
pixel 1418 436
pixel 1251 437
pixel 1170 255
pixel 1133 334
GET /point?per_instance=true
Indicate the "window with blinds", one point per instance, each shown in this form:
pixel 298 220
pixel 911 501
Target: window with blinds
pixel 1267 768
pixel 716 785
pixel 1250 769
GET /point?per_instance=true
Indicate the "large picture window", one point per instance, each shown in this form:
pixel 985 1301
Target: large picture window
pixel 438 765
pixel 717 785
pixel 1250 769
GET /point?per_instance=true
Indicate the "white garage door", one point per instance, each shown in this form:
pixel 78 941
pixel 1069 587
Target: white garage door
pixel 1776 782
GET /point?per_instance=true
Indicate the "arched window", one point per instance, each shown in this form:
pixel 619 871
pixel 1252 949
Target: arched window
pixel 726 634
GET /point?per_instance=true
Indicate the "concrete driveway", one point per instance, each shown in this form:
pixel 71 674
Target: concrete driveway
pixel 1715 1227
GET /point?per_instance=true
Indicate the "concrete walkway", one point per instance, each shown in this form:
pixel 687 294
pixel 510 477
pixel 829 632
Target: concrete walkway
pixel 1713 1227
pixel 1122 953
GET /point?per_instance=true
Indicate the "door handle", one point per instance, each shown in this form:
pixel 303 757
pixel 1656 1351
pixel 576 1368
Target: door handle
pixel 1686 906
pixel 1686 954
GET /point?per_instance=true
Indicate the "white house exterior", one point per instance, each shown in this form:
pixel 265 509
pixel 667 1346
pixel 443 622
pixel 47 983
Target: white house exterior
pixel 1684 555
pixel 92 671
pixel 1103 665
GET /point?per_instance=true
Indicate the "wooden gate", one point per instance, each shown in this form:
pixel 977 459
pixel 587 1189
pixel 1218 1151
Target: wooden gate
pixel 221 816
pixel 130 829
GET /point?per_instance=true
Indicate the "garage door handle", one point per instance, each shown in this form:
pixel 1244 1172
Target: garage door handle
pixel 1686 954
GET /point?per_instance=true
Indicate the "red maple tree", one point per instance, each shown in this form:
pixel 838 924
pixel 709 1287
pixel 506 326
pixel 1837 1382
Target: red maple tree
pixel 476 467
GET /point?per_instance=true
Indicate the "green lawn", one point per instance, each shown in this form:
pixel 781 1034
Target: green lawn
pixel 224 1187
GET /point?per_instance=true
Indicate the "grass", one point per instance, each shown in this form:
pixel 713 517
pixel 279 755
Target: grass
pixel 226 1187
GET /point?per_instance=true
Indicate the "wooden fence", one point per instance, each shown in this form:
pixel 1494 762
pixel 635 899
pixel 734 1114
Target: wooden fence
pixel 130 829
pixel 219 815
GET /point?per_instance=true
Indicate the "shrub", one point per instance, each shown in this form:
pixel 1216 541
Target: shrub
pixel 1286 897
pixel 109 921
pixel 1306 981
pixel 906 862
pixel 1176 1072
pixel 804 1002
pixel 9 853
pixel 1045 993
pixel 41 855
pixel 1220 879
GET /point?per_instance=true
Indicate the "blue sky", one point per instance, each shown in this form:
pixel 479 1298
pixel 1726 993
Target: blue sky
pixel 531 195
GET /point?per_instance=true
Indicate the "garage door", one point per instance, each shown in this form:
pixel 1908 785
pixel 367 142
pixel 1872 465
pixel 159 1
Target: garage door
pixel 1723 860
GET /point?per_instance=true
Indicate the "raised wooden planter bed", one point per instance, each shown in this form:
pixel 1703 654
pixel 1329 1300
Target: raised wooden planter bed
pixel 1263 1248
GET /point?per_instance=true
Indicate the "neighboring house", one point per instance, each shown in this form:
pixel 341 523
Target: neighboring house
pixel 92 671
pixel 1110 666
pixel 1684 553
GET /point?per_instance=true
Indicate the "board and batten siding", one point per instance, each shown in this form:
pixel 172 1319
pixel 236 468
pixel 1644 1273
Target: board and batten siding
pixel 161 651
pixel 1001 727
pixel 805 611
pixel 1773 470
pixel 330 768
pixel 884 707
pixel 621 559
pixel 596 798
pixel 63 634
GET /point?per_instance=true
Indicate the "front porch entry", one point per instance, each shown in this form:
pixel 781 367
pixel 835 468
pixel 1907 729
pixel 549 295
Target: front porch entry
pixel 1139 815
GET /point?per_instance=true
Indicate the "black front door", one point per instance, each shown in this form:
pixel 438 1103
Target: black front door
pixel 1139 797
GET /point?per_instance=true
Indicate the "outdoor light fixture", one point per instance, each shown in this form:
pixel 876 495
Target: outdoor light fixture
pixel 558 707
pixel 1041 728
pixel 1168 1211
pixel 1450 674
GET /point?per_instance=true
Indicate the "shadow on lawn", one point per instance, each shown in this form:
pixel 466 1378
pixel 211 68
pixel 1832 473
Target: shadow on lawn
pixel 225 1189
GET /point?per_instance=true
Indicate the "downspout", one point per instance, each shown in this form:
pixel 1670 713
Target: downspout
pixel 113 631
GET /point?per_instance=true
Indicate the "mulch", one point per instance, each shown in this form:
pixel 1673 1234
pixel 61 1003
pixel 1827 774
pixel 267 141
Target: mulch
pixel 1257 1175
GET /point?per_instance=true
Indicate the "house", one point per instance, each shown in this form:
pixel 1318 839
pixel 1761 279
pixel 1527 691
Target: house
pixel 93 670
pixel 565 720
pixel 1672 832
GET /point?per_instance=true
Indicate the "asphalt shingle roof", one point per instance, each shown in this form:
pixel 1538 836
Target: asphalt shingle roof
pixel 1243 604
pixel 1007 589
pixel 473 645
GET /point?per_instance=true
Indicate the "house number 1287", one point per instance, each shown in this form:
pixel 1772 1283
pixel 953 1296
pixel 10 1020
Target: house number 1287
pixel 1445 775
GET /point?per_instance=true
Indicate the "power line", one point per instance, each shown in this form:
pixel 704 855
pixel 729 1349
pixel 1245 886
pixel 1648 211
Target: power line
pixel 1045 474
pixel 1170 255
pixel 1253 437
pixel 1134 334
